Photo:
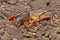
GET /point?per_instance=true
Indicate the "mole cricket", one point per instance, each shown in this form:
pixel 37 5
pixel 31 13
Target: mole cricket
pixel 27 18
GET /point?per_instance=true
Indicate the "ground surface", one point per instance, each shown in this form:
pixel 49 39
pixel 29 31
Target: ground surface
pixel 49 30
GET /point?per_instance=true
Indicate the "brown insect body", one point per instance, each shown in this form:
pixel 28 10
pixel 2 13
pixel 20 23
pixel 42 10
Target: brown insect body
pixel 26 19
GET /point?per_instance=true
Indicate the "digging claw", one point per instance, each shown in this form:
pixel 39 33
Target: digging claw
pixel 26 23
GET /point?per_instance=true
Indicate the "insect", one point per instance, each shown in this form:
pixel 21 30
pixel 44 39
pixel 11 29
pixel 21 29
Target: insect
pixel 27 18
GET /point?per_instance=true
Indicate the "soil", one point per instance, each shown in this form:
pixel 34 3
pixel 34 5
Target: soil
pixel 49 29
